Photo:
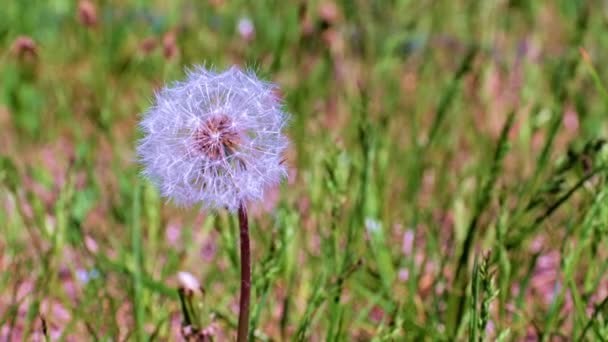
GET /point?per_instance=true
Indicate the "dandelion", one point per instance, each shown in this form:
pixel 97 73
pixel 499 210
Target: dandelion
pixel 215 140
pixel 188 281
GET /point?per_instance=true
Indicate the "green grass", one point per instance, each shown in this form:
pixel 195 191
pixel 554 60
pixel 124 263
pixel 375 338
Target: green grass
pixel 477 127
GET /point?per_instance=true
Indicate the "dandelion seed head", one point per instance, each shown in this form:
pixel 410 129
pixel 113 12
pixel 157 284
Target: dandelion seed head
pixel 188 281
pixel 214 139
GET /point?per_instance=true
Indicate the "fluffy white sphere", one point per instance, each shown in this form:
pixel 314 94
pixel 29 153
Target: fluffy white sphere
pixel 214 139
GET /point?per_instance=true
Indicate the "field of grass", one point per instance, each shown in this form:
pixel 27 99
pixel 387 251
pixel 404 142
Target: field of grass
pixel 447 172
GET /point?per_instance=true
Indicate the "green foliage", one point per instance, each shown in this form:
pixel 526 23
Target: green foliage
pixel 447 172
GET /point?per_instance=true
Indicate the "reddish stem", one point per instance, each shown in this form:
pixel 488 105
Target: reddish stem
pixel 243 328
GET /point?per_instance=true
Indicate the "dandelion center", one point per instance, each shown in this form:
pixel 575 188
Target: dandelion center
pixel 217 138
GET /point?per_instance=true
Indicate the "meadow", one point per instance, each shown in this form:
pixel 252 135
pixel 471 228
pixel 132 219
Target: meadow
pixel 447 172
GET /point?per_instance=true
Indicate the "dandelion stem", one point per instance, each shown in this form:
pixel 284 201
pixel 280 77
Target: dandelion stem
pixel 243 328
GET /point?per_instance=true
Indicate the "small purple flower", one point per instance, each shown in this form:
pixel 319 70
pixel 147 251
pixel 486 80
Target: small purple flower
pixel 214 139
pixel 87 275
pixel 246 29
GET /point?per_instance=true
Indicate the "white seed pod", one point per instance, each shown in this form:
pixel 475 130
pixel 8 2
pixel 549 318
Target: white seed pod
pixel 188 281
pixel 214 139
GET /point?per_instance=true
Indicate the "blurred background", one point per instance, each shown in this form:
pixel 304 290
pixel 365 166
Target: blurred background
pixel 447 172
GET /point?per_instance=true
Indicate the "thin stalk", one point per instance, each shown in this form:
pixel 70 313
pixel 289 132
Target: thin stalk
pixel 243 328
